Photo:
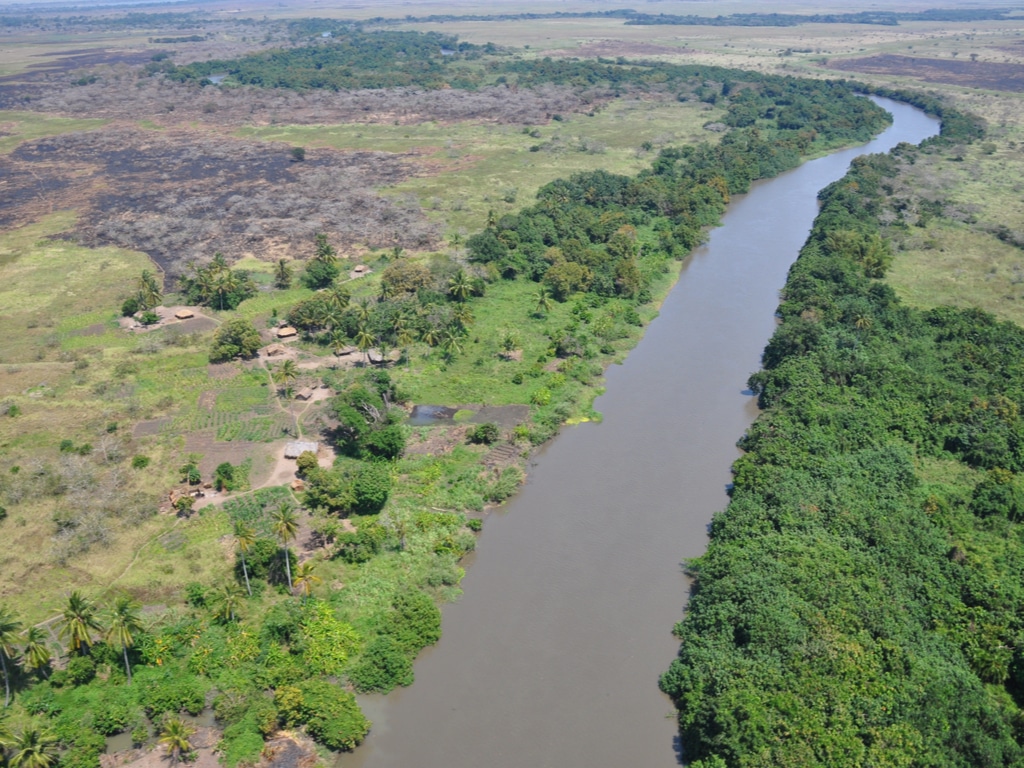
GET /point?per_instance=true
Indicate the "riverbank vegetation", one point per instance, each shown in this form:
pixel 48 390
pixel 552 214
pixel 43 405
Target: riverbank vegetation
pixel 259 607
pixel 859 601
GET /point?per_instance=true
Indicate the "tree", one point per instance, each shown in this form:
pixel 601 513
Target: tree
pixel 37 653
pixel 282 274
pixel 78 622
pixel 460 286
pixel 451 344
pixel 33 748
pixel 364 340
pixel 123 624
pixel 325 252
pixel 287 373
pixel 543 300
pixel 229 597
pixel 149 293
pixel 285 526
pixel 175 735
pixel 298 154
pixel 306 578
pixel 245 538
pixel 236 338
pixel 9 629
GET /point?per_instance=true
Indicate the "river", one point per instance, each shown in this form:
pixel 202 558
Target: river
pixel 551 658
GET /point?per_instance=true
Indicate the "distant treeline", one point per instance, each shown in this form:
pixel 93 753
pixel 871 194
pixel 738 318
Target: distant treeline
pixel 887 18
pixel 861 601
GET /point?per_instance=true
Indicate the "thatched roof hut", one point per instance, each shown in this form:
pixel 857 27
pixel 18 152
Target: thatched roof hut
pixel 298 447
pixel 276 349
pixel 184 314
pixel 286 332
pixel 304 394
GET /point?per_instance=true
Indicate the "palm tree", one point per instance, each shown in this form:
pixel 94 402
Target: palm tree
pixel 149 290
pixel 287 373
pixel 338 340
pixel 338 297
pixel 325 252
pixel 33 748
pixel 432 336
pixel 175 736
pixel 387 290
pixel 124 624
pixel 364 340
pixel 37 652
pixel 463 315
pixel 10 627
pixel 285 525
pixel 282 274
pixel 362 310
pixel 229 597
pixel 451 344
pixel 79 621
pixel 543 300
pixel 245 538
pixel 306 579
pixel 404 335
pixel 460 286
pixel 225 284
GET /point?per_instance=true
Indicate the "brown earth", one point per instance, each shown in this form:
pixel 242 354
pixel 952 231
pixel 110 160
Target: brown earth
pixel 181 195
pixel 615 48
pixel 966 73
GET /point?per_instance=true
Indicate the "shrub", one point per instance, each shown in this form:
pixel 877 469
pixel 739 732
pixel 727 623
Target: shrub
pixel 370 488
pixel 383 666
pixel 236 338
pixel 484 434
pixel 80 670
pixel 227 477
pixel 330 714
pixel 149 317
pixel 140 461
pixel 414 621
pixel 306 462
pixel 320 274
pixel 362 545
pixel 387 443
pixel 130 307
pixel 161 689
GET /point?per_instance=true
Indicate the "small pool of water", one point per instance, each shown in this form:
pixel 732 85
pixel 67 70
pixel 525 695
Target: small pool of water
pixel 431 415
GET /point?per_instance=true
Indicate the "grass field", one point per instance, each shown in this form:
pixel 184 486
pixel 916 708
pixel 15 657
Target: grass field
pixel 478 168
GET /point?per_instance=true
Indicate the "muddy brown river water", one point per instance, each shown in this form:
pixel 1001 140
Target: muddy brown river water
pixel 552 656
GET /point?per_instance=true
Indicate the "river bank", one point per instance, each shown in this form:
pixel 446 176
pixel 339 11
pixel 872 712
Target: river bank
pixel 552 655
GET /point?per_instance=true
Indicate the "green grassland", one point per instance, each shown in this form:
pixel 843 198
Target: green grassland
pixel 478 168
pixel 17 127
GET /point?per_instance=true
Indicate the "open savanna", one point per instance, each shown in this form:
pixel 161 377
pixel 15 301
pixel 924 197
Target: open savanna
pixel 471 169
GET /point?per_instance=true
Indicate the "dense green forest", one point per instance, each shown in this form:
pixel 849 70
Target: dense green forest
pixel 860 601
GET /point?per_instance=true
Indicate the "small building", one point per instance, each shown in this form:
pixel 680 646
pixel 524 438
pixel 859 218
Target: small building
pixel 360 269
pixel 296 448
pixel 286 332
pixel 184 314
pixel 276 349
pixel 304 394
pixel 345 351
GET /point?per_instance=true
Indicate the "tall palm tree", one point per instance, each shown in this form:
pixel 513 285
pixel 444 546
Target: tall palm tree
pixel 338 297
pixel 463 315
pixel 364 340
pixel 404 335
pixel 149 290
pixel 124 623
pixel 306 578
pixel 33 748
pixel 282 274
pixel 229 597
pixel 543 300
pixel 245 538
pixel 325 252
pixel 10 628
pixel 175 735
pixel 285 525
pixel 226 283
pixel 451 344
pixel 79 621
pixel 362 310
pixel 432 336
pixel 460 286
pixel 37 652
pixel 287 373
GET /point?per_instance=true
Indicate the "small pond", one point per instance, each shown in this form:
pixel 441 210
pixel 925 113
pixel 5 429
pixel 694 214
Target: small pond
pixel 431 415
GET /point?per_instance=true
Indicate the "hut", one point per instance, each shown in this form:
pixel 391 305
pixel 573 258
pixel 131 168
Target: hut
pixel 360 269
pixel 184 314
pixel 345 351
pixel 276 349
pixel 286 332
pixel 296 448
pixel 304 394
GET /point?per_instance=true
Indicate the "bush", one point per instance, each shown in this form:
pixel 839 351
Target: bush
pixel 383 666
pixel 236 338
pixel 80 670
pixel 362 545
pixel 140 461
pixel 149 317
pixel 130 307
pixel 414 621
pixel 387 443
pixel 330 714
pixel 370 488
pixel 484 434
pixel 306 462
pixel 320 274
pixel 161 689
